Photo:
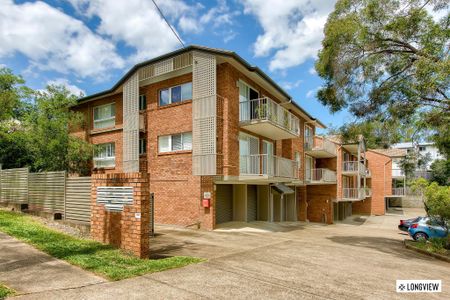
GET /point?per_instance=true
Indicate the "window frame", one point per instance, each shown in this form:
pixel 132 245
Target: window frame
pixel 105 119
pixel 105 158
pixel 142 96
pixel 143 147
pixel 169 89
pixel 170 140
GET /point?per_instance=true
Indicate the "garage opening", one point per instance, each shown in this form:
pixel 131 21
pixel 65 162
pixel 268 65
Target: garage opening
pixel 224 203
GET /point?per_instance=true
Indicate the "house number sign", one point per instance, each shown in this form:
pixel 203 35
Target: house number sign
pixel 115 197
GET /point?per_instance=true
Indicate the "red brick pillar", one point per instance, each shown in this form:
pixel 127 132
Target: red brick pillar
pixel 129 229
pixel 207 214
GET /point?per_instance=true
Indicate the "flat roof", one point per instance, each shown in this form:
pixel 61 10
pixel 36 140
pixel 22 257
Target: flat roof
pixel 215 51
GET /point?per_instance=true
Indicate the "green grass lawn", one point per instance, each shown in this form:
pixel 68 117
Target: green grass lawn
pixel 5 291
pixel 433 245
pixel 104 260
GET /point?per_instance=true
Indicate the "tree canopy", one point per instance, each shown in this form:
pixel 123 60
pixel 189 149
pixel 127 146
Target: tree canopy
pixel 388 61
pixel 34 129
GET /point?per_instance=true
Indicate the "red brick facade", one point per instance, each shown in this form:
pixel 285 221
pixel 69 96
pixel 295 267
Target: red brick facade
pixel 129 229
pixel 178 193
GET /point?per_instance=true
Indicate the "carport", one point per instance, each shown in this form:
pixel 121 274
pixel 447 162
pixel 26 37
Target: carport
pixel 251 202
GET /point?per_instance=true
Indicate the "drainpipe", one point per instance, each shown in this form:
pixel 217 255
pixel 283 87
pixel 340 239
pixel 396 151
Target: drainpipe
pixel 384 183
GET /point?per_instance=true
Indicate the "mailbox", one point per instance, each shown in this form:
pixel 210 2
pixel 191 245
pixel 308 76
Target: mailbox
pixel 206 203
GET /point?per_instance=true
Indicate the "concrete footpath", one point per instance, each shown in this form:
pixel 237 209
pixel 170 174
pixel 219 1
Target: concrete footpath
pixel 359 259
pixel 28 270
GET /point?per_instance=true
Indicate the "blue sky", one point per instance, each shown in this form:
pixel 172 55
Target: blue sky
pixel 88 45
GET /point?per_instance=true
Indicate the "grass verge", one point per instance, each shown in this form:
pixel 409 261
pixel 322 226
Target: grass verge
pixel 104 260
pixel 5 291
pixel 433 245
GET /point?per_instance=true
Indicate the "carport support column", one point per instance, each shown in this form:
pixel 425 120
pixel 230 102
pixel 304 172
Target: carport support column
pixel 128 229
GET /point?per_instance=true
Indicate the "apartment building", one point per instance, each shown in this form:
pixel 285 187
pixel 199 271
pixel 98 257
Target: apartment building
pixel 221 142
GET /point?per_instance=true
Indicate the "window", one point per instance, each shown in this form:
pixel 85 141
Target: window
pixel 175 94
pixel 175 142
pixel 422 148
pixel 142 146
pixel 142 102
pixel 105 156
pixel 104 116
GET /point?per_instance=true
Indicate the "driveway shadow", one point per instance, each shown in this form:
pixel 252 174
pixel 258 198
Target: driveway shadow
pixel 385 245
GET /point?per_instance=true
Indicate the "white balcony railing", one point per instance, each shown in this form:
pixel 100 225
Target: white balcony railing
pixel 398 191
pixel 270 165
pixel 142 122
pixel 354 166
pixel 319 144
pixel 398 173
pixel 353 193
pixel 265 109
pixel 321 175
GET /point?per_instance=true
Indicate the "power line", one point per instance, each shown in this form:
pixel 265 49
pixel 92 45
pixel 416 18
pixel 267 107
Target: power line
pixel 170 26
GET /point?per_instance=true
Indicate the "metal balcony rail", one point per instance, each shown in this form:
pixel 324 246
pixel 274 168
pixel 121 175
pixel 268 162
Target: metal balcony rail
pixel 353 193
pixel 398 191
pixel 321 175
pixel 265 109
pixel 354 166
pixel 397 172
pixel 270 165
pixel 319 143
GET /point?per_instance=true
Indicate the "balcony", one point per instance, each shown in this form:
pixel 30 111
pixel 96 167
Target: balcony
pixel 398 173
pixel 263 165
pixel 353 167
pixel 319 147
pixel 267 118
pixel 320 176
pixel 353 194
pixel 399 192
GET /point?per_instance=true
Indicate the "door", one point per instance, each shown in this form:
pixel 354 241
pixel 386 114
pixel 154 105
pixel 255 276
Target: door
pixel 224 203
pixel 251 203
pixel 308 167
pixel 267 158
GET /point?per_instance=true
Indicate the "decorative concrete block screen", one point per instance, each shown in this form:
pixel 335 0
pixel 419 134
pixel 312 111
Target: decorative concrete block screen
pixel 46 191
pixel 204 114
pixel 14 185
pixel 131 124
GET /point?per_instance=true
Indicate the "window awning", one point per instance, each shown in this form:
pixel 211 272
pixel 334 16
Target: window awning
pixel 282 189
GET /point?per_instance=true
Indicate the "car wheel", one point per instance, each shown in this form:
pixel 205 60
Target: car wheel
pixel 420 236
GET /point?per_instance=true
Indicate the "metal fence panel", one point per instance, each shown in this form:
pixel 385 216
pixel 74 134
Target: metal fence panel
pixel 14 185
pixel 46 191
pixel 78 199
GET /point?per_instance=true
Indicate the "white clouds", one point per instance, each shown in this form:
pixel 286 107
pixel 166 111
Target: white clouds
pixel 70 87
pixel 312 71
pixel 53 40
pixel 291 85
pixel 312 93
pixel 137 23
pixel 292 28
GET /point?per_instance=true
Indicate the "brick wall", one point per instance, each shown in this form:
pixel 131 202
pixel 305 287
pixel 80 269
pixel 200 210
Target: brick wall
pixel 123 229
pixel 381 181
pixel 320 203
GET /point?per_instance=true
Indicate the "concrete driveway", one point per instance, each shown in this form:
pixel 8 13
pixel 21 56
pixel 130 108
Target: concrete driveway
pixel 360 258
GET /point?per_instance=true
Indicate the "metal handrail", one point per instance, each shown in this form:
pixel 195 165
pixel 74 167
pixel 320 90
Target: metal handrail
pixel 398 191
pixel 353 193
pixel 267 109
pixel 354 166
pixel 322 175
pixel 271 165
